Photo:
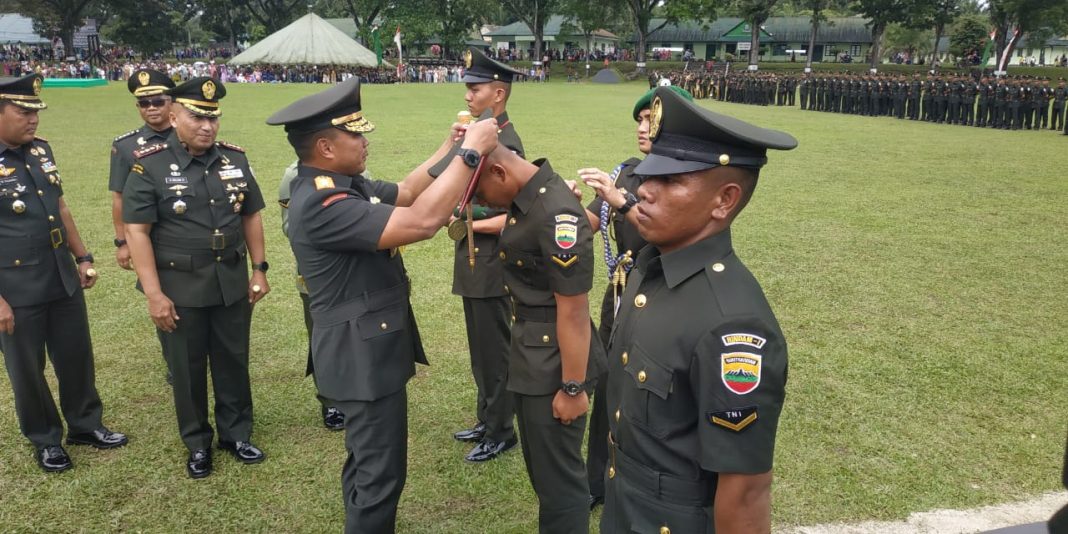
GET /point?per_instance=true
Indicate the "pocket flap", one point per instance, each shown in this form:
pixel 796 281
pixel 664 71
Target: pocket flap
pixel 176 262
pixel 648 373
pixel 377 323
pixel 539 334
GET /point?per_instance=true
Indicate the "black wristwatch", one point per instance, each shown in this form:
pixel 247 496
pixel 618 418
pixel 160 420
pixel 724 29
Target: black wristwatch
pixel 262 267
pixel 120 243
pixel 631 201
pixel 470 156
pixel 572 388
pixel 88 258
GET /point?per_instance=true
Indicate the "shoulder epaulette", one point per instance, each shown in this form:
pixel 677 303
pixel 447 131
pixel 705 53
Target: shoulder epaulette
pixel 231 146
pixel 41 139
pixel 149 150
pixel 127 134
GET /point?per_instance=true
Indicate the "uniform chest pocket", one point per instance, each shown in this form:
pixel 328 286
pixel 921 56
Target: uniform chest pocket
pixel 525 266
pixel 649 396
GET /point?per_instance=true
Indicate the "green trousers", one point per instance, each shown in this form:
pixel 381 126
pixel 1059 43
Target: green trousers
pixel 489 334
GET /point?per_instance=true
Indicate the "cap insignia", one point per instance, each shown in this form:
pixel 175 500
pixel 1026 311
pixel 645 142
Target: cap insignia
pixel 37 83
pixel 656 117
pixel 208 89
pixel 469 59
pixel 144 77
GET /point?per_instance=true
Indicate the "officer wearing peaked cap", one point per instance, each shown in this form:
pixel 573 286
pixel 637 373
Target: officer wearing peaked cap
pixel 697 362
pixel 44 266
pixel 345 230
pixel 487 308
pixel 192 211
pixel 148 87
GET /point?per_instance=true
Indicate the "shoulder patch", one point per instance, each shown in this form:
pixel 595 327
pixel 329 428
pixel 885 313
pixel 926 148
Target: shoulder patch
pixel 231 146
pixel 149 150
pixel 41 139
pixel 566 231
pixel 324 182
pixel 127 134
pixel 741 338
pixel 734 419
pixel 740 371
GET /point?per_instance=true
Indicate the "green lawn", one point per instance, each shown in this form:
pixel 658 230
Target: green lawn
pixel 916 269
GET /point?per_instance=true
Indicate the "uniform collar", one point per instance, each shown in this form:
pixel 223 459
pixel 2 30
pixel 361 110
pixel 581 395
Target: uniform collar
pixel 184 157
pixel 679 265
pixel 147 132
pixel 341 181
pixel 529 193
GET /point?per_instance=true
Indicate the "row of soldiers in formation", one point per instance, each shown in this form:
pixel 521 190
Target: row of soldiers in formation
pixel 186 210
pixel 1007 103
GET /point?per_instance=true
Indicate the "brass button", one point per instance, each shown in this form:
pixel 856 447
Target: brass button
pixel 724 159
pixel 544 339
pixel 476 250
pixel 502 255
pixel 218 259
pixel 642 376
pixel 617 415
pixel 542 190
pixel 40 193
pixel 519 263
pixel 511 221
pixel 18 262
pixel 51 219
pixel 383 326
pixel 212 202
pixel 664 529
pixel 626 358
pixel 611 472
pixel 506 290
pixel 718 267
pixel 172 264
pixel 640 300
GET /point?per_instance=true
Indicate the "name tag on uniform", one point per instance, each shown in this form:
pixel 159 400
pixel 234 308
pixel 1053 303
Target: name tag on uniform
pixel 48 167
pixel 176 180
pixel 231 174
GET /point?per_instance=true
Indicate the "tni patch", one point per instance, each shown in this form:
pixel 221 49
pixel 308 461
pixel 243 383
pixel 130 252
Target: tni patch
pixel 565 260
pixel 752 340
pixel 740 371
pixel 566 233
pixel 735 419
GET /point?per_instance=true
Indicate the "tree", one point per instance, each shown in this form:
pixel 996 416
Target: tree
pixel 450 20
pixel 819 9
pixel 1013 19
pixel 148 26
pixel 273 14
pixel 940 14
pixel 586 17
pixel 970 34
pixel 755 12
pixel 534 13
pixel 56 17
pixel 914 41
pixel 227 20
pixel 883 13
pixel 365 14
pixel 672 11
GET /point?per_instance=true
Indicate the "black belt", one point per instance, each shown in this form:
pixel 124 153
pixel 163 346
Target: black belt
pixel 217 242
pixel 373 300
pixel 56 237
pixel 670 487
pixel 536 314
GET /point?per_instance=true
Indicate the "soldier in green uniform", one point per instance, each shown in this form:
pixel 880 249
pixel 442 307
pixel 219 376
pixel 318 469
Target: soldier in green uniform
pixel 192 211
pixel 697 362
pixel 333 419
pixel 547 251
pixel 1060 94
pixel 487 310
pixel 610 213
pixel 1043 94
pixel 44 266
pixel 345 231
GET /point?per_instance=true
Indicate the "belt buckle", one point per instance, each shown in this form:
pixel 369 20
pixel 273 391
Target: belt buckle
pixel 56 235
pixel 218 241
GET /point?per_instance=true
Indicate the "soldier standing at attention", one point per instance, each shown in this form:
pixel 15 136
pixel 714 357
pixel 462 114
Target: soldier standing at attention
pixel 1042 98
pixel 44 266
pixel 1060 94
pixel 192 211
pixel 555 358
pixel 487 308
pixel 345 231
pixel 333 419
pixel 611 214
pixel 698 363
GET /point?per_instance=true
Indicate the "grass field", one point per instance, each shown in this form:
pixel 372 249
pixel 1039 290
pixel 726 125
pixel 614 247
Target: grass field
pixel 916 269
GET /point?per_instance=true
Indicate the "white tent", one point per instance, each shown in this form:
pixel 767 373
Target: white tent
pixel 309 40
pixel 15 28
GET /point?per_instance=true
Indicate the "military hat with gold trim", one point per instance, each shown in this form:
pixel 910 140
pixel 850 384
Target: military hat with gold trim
pixel 200 95
pixel 24 92
pixel 337 107
pixel 689 138
pixel 480 68
pixel 149 82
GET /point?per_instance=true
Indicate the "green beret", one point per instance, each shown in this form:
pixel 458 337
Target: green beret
pixel 647 99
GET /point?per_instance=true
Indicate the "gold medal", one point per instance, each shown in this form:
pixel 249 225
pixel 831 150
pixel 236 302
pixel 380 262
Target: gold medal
pixel 237 207
pixel 179 207
pixel 457 230
pixel 18 206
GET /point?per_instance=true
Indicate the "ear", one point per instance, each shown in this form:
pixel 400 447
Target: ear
pixel 174 119
pixel 325 148
pixel 726 200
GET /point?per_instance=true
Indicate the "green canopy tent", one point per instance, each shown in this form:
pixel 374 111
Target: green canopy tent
pixel 309 40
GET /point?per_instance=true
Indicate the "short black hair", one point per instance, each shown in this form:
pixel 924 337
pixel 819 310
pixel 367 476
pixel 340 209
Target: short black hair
pixel 303 143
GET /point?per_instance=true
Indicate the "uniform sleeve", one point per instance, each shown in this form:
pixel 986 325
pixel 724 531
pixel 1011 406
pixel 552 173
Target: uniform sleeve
pixel 338 221
pixel 284 194
pixel 385 191
pixel 139 202
pixel 738 376
pixel 443 163
pixel 566 243
pixel 120 169
pixel 254 199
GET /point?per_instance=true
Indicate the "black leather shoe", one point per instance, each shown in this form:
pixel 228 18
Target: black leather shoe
pixel 595 501
pixel 53 459
pixel 199 464
pixel 333 419
pixel 488 449
pixel 244 451
pixel 101 438
pixel 471 435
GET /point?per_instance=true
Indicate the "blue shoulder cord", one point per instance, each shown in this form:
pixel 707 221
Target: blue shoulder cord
pixel 618 266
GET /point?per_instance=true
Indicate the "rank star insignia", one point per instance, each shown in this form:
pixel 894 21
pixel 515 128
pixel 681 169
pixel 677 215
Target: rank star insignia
pixel 740 371
pixel 324 182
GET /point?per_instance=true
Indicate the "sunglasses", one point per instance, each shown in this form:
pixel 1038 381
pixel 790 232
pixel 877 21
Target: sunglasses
pixel 154 103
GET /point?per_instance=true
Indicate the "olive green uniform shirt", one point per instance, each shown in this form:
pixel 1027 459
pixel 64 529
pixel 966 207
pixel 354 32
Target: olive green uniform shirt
pixel 122 153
